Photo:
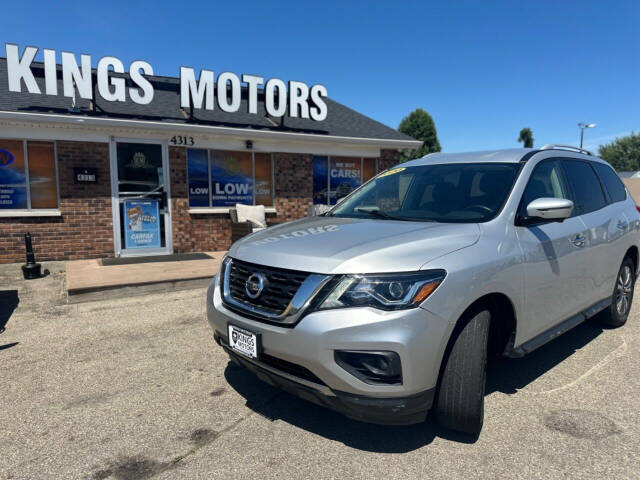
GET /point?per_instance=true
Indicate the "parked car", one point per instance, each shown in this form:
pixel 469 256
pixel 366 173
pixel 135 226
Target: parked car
pixel 388 306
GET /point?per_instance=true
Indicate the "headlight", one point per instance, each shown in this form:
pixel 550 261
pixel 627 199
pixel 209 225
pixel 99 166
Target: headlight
pixel 386 291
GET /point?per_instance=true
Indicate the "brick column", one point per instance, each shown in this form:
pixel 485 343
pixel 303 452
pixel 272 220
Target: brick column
pixel 293 174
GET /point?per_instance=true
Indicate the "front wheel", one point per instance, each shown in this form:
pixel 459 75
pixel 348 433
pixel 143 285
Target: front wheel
pixel 460 398
pixel 616 314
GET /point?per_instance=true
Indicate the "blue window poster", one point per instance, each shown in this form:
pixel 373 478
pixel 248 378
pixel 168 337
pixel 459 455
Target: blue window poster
pixel 141 224
pixel 344 177
pixel 320 183
pixel 198 172
pixel 13 189
pixel 231 178
pixel 335 178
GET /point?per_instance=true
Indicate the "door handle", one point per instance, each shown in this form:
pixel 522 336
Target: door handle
pixel 622 225
pixel 578 240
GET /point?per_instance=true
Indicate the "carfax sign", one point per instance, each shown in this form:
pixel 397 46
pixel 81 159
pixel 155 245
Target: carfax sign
pixel 141 224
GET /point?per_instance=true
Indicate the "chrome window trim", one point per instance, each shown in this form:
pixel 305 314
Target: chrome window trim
pixel 297 306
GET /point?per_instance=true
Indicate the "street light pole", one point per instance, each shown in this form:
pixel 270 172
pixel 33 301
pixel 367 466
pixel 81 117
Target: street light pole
pixel 582 126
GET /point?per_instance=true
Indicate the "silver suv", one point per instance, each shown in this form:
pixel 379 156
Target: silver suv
pixel 388 306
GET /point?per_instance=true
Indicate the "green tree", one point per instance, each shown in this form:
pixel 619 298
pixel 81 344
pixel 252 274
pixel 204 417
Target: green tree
pixel 526 137
pixel 419 125
pixel 623 153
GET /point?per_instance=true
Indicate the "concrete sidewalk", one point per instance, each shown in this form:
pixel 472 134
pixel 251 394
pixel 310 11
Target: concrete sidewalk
pixel 91 280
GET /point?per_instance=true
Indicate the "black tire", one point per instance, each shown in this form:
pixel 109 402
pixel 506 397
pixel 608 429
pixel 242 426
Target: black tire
pixel 617 313
pixel 460 398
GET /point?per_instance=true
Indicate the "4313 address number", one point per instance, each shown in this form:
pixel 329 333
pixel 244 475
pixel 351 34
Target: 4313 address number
pixel 182 140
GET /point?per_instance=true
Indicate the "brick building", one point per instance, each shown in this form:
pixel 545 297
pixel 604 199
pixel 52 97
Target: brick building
pixel 82 176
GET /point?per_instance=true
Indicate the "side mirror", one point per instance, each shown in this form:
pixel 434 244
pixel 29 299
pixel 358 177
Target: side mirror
pixel 550 209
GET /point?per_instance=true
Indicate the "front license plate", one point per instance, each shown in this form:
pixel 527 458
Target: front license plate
pixel 243 342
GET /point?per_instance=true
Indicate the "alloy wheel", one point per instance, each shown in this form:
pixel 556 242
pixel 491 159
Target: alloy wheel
pixel 623 290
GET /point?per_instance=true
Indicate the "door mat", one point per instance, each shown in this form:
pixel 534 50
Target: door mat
pixel 178 257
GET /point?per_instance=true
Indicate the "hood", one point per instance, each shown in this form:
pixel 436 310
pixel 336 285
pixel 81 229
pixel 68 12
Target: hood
pixel 353 245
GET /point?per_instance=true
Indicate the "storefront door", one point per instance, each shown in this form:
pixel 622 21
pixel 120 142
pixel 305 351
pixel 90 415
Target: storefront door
pixel 140 197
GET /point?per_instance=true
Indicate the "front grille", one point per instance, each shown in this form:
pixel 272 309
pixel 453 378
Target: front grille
pixel 280 287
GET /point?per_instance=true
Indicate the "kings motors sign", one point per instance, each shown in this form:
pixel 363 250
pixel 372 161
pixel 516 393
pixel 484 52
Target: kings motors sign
pixel 204 92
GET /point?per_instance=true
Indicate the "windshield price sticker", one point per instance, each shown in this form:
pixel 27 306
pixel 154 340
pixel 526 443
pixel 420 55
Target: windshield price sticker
pixel 391 172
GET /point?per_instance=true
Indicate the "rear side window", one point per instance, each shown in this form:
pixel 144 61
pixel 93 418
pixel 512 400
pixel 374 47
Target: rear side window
pixel 587 191
pixel 611 181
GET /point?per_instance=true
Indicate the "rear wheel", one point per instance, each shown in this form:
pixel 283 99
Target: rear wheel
pixel 460 398
pixel 616 314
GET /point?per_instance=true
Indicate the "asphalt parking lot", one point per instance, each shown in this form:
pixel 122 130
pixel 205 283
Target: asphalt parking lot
pixel 136 389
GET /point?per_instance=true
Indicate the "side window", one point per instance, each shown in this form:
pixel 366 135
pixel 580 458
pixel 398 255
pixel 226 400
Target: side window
pixel 611 182
pixel 587 191
pixel 545 182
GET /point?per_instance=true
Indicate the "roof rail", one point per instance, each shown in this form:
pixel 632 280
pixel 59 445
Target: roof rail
pixel 552 146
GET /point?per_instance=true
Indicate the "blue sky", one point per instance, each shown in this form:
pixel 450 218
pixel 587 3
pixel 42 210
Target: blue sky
pixel 482 69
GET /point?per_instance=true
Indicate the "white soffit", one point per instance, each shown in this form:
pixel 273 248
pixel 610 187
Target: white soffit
pixel 78 128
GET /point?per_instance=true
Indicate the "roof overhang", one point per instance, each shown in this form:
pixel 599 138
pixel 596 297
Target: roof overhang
pixel 181 128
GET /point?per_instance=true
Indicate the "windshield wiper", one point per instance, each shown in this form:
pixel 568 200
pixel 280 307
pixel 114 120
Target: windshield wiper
pixel 375 211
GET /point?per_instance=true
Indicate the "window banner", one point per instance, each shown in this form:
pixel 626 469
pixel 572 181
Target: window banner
pixel 141 224
pixel 231 178
pixel 13 191
pixel 198 172
pixel 320 180
pixel 264 184
pixel 344 177
pixel 13 197
pixel 42 175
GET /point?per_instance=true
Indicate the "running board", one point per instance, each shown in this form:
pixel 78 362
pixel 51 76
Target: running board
pixel 554 332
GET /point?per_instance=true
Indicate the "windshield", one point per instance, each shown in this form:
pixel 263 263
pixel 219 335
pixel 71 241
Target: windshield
pixel 461 192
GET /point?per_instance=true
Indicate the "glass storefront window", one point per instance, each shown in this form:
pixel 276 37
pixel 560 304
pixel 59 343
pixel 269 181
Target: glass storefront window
pixel 320 180
pixel 36 170
pixel 369 168
pixel 345 175
pixel 139 167
pixel 42 174
pixel 336 177
pixel 198 173
pixel 264 179
pixel 231 178
pixel 222 178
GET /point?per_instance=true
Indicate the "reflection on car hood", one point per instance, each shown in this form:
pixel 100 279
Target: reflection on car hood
pixel 353 245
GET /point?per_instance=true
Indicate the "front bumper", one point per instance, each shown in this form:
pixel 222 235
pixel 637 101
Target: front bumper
pixel 386 411
pixel 418 336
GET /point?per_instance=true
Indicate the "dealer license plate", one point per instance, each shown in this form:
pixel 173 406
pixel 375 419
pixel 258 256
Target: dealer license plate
pixel 243 342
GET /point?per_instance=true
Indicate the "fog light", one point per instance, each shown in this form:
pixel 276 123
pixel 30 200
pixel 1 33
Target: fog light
pixel 373 367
